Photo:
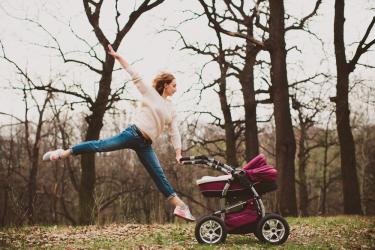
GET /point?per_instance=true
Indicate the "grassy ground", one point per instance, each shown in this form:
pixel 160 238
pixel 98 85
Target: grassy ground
pixel 340 232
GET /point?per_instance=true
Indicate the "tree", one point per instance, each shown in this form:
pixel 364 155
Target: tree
pixel 275 45
pixel 285 141
pixel 328 176
pixel 308 108
pixel 237 15
pixel 104 98
pixel 369 174
pixel 100 105
pixel 32 145
pixel 351 192
pixel 218 54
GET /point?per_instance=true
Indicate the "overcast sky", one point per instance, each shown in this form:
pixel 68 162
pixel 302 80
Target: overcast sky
pixel 153 51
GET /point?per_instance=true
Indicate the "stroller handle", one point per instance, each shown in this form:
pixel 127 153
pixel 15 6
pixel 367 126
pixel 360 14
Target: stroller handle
pixel 202 159
pixel 191 158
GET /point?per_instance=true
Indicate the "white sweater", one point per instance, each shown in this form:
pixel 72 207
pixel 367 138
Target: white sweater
pixel 155 112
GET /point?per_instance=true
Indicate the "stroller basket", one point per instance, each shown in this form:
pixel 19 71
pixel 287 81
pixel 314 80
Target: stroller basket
pixel 247 215
pixel 214 186
pixel 262 175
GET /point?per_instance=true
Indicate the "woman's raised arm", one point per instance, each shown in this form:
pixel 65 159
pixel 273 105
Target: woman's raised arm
pixel 138 81
pixel 117 56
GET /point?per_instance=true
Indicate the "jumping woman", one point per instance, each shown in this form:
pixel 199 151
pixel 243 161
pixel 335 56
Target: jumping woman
pixel 155 113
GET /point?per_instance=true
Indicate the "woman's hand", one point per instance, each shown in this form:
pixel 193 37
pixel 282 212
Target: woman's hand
pixel 117 56
pixel 178 155
pixel 112 52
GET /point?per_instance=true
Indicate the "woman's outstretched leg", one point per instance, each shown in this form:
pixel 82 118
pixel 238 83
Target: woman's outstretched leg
pixel 149 159
pixel 120 141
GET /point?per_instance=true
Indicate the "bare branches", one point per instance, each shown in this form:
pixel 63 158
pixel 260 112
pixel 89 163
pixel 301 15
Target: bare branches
pixel 45 87
pixel 117 16
pixel 116 96
pixel 12 116
pixel 216 24
pixel 59 49
pixel 22 72
pixel 111 199
pixel 93 17
pixel 302 22
pixel 308 79
pixel 362 47
pixel 217 120
pixel 205 51
pixel 144 7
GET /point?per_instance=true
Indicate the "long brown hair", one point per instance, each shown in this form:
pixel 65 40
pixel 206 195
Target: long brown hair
pixel 160 80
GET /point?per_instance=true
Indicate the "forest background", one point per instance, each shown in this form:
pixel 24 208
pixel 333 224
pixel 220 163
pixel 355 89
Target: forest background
pixel 287 79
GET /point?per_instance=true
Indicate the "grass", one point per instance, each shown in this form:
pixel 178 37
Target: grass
pixel 339 232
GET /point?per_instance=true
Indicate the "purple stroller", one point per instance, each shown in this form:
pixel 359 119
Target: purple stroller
pixel 244 212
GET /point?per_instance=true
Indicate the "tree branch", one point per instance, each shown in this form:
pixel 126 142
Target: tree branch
pixel 362 48
pixel 306 18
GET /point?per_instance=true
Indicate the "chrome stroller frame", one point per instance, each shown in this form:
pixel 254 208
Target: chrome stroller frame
pixel 240 175
pixel 211 229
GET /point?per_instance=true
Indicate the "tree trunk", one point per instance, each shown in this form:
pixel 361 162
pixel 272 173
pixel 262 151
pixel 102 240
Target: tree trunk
pixel 352 201
pixel 230 139
pixel 10 166
pixel 95 124
pixel 32 190
pixel 369 179
pixel 95 120
pixel 322 209
pixel 34 159
pixel 33 174
pixel 285 141
pixel 247 83
pixel 302 162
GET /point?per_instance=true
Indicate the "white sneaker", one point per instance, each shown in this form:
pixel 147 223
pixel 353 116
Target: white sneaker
pixel 183 212
pixel 53 155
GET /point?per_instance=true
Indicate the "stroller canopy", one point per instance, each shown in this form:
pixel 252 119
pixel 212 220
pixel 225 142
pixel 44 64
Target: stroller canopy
pixel 257 170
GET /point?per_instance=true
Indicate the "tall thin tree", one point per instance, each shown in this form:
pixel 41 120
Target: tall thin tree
pixel 351 192
pixel 285 141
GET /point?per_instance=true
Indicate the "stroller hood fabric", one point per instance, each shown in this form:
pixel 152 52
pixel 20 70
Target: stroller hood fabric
pixel 256 162
pixel 264 173
pixel 257 170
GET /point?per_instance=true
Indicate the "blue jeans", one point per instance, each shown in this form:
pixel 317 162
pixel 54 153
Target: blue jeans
pixel 131 138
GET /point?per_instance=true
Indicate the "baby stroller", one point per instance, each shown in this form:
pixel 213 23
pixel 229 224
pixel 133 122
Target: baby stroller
pixel 244 212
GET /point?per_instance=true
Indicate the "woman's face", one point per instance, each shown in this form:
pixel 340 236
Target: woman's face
pixel 170 89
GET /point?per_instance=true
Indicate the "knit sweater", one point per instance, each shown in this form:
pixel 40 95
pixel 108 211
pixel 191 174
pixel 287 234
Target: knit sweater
pixel 155 112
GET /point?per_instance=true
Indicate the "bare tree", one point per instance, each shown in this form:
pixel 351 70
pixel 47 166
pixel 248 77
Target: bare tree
pixel 32 145
pixel 275 44
pixel 307 111
pixel 369 176
pixel 95 120
pixel 285 142
pixel 244 20
pixel 328 177
pixel 351 192
pixel 105 96
pixel 218 54
pixel 8 163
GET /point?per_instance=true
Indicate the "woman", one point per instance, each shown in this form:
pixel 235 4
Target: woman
pixel 155 112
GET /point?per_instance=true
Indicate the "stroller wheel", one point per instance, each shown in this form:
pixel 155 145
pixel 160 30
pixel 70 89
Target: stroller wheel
pixel 256 231
pixel 272 229
pixel 210 230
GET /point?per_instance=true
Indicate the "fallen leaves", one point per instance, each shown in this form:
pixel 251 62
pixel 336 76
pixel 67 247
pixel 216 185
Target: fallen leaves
pixel 319 232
